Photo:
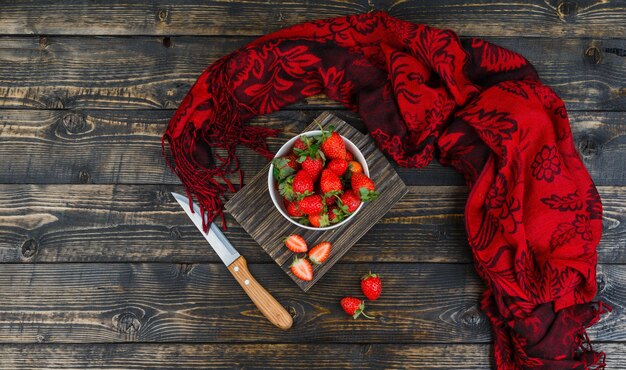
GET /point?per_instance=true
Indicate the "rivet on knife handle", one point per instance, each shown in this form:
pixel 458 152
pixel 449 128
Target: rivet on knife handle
pixel 268 305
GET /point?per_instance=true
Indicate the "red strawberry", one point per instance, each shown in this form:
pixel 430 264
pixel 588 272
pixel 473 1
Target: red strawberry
pixel 311 204
pixel 319 253
pixel 363 186
pixel 292 208
pixel 302 269
pixel 338 166
pixel 335 215
pixel 353 307
pixel 329 201
pixel 302 184
pixel 313 166
pixel 300 144
pixel 354 166
pixel 296 243
pixel 319 220
pixel 371 286
pixel 330 183
pixel 350 200
pixel 334 147
pixel 349 156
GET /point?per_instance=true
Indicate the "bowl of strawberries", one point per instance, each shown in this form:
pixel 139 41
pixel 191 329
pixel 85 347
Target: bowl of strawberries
pixel 319 180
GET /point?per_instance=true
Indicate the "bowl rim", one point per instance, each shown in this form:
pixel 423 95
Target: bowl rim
pixel 275 196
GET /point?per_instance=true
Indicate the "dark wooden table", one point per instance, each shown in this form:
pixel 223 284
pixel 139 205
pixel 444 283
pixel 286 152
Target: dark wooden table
pixel 101 268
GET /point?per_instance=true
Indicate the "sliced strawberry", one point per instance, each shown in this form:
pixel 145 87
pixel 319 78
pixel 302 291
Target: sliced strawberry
pixel 320 253
pixel 302 269
pixel 296 243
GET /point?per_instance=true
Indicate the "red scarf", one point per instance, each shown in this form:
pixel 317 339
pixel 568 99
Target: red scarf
pixel 533 216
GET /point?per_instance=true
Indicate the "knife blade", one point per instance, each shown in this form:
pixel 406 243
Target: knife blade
pixel 227 253
pixel 237 266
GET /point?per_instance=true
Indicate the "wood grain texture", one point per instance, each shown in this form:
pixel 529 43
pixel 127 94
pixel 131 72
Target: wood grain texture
pixel 57 72
pixel 97 303
pixel 262 356
pixel 478 17
pixel 142 223
pixel 124 147
pixel 254 210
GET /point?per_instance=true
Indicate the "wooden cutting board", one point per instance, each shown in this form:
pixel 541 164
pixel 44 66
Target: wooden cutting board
pixel 253 209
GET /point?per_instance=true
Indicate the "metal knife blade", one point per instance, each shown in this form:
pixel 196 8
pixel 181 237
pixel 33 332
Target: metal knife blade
pixel 215 237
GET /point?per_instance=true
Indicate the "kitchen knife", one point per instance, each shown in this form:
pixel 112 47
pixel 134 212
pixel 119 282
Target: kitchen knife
pixel 238 267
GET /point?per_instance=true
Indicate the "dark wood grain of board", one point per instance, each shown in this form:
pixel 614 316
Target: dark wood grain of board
pixel 122 302
pixel 254 210
pixel 245 17
pixel 157 72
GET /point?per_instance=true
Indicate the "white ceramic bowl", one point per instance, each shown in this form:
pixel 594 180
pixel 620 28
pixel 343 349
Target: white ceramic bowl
pixel 277 199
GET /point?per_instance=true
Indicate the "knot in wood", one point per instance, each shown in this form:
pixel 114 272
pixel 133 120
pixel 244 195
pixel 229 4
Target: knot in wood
pixel 74 123
pixel 29 249
pixel 175 233
pixel 601 282
pixel 567 10
pixel 471 317
pixel 43 42
pixel 167 42
pixel 588 146
pixel 84 177
pixel 594 55
pixel 127 323
pixel 163 15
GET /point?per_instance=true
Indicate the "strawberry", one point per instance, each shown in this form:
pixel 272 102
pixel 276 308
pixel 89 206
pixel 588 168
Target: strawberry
pixel 364 187
pixel 349 156
pixel 335 214
pixel 313 166
pixel 329 201
pixel 292 208
pixel 330 183
pixel 285 188
pixel 319 220
pixel 302 269
pixel 354 166
pixel 371 286
pixel 353 307
pixel 302 184
pixel 350 200
pixel 311 204
pixel 284 167
pixel 301 143
pixel 296 243
pixel 333 146
pixel 319 253
pixel 338 166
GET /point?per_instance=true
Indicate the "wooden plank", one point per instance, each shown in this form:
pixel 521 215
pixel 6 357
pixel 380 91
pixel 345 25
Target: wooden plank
pixel 249 356
pixel 479 17
pixel 115 223
pixel 254 211
pixel 97 303
pixel 118 146
pixel 151 72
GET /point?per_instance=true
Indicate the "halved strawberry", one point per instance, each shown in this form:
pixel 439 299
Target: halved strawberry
pixel 296 243
pixel 364 187
pixel 302 269
pixel 320 253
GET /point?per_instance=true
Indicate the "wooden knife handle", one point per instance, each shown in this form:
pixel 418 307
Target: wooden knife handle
pixel 264 301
